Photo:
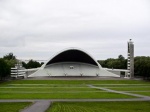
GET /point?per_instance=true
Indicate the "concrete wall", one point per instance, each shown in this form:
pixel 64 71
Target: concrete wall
pixel 118 72
pixel 72 69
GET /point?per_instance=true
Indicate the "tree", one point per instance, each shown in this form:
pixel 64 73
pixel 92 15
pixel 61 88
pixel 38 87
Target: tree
pixel 4 69
pixel 142 66
pixel 121 58
pixel 9 56
pixel 11 63
pixel 119 63
pixel 10 59
pixel 31 64
pixel 42 63
pixel 24 65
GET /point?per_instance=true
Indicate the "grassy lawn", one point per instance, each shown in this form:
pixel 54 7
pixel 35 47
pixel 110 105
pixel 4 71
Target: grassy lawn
pixel 99 107
pixel 146 88
pixel 122 85
pixel 57 89
pixel 74 89
pixel 142 93
pixel 13 107
pixel 61 95
pixel 45 89
pixel 127 87
pixel 65 82
pixel 46 85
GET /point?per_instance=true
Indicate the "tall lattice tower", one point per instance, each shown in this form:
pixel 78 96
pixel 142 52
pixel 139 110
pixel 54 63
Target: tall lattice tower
pixel 130 61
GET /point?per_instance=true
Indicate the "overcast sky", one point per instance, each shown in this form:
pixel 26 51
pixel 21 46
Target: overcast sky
pixel 38 29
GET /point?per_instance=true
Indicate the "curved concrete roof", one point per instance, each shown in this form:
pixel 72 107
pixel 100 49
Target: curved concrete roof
pixel 72 55
pixel 72 62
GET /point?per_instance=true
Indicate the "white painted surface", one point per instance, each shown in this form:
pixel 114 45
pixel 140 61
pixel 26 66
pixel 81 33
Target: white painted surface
pixel 72 68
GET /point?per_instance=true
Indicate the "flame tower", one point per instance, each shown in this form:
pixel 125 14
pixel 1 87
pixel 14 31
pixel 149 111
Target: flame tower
pixel 130 60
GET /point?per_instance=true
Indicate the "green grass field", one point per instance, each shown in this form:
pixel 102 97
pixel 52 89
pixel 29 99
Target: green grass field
pixel 62 89
pixel 142 93
pixel 75 89
pixel 55 95
pixel 69 82
pixel 99 107
pixel 131 88
pixel 142 89
pixel 13 107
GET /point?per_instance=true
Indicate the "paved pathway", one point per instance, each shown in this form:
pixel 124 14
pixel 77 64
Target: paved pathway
pixel 38 106
pixel 55 92
pixel 76 100
pixel 120 92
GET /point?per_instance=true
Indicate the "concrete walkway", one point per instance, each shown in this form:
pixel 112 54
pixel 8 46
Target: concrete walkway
pixel 41 105
pixel 38 106
pixel 120 92
pixel 75 100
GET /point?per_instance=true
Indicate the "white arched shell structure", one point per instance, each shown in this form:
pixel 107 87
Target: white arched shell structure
pixel 72 62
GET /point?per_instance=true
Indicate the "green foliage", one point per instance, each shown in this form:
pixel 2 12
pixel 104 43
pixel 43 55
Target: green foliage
pixel 31 64
pixel 24 65
pixel 42 63
pixel 119 63
pixel 10 59
pixel 9 56
pixel 11 62
pixel 121 58
pixel 142 66
pixel 4 69
pixel 6 63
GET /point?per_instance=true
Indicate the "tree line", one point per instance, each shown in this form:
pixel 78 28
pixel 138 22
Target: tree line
pixel 9 60
pixel 119 63
pixel 32 64
pixel 141 65
pixel 6 63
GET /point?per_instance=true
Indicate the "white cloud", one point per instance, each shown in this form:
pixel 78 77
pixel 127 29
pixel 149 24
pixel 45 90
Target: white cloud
pixel 39 28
